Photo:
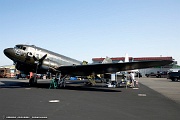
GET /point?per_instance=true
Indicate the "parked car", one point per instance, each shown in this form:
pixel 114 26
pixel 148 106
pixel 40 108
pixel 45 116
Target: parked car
pixel 174 76
pixel 159 74
pixel 162 74
pixel 152 74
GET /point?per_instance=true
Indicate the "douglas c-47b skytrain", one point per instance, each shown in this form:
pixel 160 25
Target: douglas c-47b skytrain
pixel 29 58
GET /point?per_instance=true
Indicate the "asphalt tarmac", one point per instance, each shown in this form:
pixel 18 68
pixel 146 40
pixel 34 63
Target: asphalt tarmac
pixel 77 102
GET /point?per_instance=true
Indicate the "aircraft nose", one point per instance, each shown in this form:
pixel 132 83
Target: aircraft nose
pixel 9 52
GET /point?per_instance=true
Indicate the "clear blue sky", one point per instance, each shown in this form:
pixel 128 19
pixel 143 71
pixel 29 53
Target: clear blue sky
pixel 84 29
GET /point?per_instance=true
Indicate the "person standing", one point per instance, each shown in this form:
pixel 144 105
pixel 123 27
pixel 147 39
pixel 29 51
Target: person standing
pixel 132 75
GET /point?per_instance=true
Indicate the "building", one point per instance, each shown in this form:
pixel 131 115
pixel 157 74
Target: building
pixel 143 71
pixel 8 71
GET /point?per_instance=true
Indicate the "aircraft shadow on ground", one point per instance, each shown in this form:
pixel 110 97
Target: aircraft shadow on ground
pixel 81 87
pixel 94 88
pixel 13 84
pixel 98 88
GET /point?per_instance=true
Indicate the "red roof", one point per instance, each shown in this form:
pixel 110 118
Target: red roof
pixel 135 59
pixel 98 59
pixel 152 58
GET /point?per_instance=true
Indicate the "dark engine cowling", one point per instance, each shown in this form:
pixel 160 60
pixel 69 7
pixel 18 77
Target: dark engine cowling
pixel 25 68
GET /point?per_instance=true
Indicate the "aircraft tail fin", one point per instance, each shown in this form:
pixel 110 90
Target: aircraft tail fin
pixel 126 58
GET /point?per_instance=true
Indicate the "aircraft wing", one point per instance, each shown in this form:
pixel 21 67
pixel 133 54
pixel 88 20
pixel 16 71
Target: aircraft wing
pixel 109 67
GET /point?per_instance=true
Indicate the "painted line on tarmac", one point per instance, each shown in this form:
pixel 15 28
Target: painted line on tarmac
pixel 135 88
pixel 27 88
pixel 54 101
pixel 142 95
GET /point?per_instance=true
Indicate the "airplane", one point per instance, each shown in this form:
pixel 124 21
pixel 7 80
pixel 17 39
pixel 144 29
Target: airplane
pixel 29 58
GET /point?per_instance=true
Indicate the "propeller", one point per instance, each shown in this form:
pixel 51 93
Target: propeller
pixel 40 61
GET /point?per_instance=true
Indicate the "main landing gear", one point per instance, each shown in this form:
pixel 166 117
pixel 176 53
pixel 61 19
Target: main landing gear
pixel 33 81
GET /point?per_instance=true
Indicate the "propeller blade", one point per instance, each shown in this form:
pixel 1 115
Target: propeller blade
pixel 43 57
pixel 40 60
pixel 35 59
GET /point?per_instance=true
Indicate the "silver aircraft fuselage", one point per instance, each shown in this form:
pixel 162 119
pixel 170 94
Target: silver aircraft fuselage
pixel 28 57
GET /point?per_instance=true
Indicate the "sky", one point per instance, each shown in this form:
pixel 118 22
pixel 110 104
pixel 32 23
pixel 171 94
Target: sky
pixel 86 29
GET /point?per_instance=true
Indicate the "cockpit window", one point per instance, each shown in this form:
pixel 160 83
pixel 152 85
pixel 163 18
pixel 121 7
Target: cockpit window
pixel 24 48
pixel 20 47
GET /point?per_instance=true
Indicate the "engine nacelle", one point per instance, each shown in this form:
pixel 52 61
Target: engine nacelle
pixel 25 68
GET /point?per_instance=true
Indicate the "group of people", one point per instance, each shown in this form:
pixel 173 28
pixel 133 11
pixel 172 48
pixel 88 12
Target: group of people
pixel 130 79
